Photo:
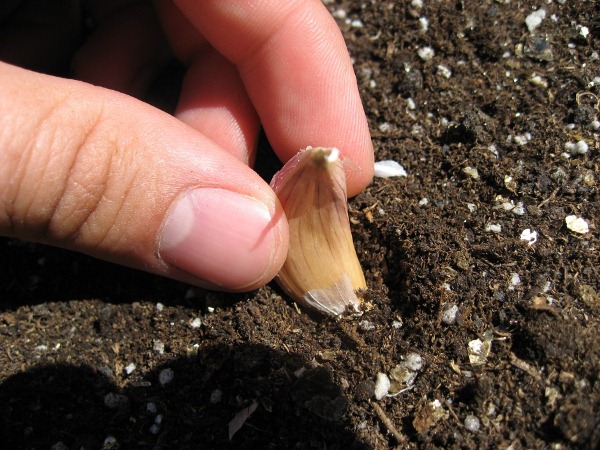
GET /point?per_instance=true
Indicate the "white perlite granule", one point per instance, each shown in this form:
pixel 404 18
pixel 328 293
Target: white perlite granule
pixel 472 423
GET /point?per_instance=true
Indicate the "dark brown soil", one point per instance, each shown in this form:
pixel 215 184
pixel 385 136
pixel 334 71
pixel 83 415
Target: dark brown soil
pixel 70 325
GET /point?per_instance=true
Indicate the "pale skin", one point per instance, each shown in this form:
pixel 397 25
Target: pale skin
pixel 86 165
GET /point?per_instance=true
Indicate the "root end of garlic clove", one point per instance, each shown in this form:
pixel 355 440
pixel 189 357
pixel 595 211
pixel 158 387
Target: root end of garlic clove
pixel 334 300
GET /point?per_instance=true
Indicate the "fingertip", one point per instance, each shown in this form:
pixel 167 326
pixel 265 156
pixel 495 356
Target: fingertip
pixel 230 240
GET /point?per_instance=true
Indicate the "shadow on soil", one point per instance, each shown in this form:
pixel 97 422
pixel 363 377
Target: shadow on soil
pixel 81 407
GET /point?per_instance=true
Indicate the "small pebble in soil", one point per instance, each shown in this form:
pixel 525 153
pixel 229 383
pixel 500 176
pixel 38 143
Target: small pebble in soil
pixel 155 428
pixel 444 71
pixel 196 323
pixel 583 31
pixel 472 423
pixel 515 280
pixel 535 19
pixel 510 205
pixel 493 228
pixel 151 408
pixel 158 347
pixel 384 127
pixel 522 139
pixel 414 361
pixel 577 224
pixel 129 368
pixel 110 442
pixel 529 235
pixel 518 209
pixel 339 14
pixel 216 396
pixel 382 386
pixel 537 80
pixel 166 376
pixel 426 53
pixel 472 172
pixel 493 150
pixel 160 307
pixel 365 325
pixel 115 401
pixel 449 312
pixel 577 148
pixel 423 202
pixel 478 351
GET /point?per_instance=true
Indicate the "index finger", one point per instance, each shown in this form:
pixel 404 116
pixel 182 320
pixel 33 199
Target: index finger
pixel 295 66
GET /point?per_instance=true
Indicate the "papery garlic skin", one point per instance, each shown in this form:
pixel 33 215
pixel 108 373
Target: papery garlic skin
pixel 322 271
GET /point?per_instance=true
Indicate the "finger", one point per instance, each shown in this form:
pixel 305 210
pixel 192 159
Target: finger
pixel 213 101
pixel 295 66
pixel 185 39
pixel 91 170
pixel 125 52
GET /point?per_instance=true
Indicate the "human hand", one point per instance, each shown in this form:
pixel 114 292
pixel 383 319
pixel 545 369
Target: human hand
pixel 90 169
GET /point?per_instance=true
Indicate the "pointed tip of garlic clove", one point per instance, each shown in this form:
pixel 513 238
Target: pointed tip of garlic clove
pixel 322 271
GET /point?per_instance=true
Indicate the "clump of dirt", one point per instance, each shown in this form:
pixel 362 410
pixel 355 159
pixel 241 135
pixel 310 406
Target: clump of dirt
pixel 478 109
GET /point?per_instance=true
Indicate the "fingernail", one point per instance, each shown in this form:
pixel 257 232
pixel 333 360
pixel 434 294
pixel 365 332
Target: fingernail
pixel 220 236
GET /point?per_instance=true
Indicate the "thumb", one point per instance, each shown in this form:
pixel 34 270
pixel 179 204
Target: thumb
pixel 95 171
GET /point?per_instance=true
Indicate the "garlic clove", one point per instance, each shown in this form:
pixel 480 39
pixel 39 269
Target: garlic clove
pixel 322 271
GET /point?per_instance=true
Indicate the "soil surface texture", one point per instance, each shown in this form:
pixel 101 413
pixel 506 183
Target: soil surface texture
pixel 483 307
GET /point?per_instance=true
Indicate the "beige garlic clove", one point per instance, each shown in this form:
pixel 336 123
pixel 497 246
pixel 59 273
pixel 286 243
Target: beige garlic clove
pixel 322 271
